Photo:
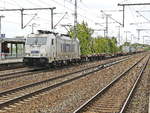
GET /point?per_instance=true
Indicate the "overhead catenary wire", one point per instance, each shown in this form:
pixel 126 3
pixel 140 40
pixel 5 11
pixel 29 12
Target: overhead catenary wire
pixel 17 3
pixel 41 1
pixel 7 2
pixel 135 19
pixel 125 1
pixel 38 5
pixel 47 3
pixel 23 9
pixel 85 11
pixel 77 6
pixel 81 15
pixel 36 12
pixel 44 16
pixel 44 3
pixel 143 16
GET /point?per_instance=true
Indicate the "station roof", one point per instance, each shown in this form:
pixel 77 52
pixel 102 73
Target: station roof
pixel 12 40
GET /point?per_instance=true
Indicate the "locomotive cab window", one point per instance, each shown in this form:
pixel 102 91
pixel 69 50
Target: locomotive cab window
pixel 36 41
pixel 52 41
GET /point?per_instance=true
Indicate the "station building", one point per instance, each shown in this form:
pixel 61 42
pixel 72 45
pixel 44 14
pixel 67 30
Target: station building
pixel 12 48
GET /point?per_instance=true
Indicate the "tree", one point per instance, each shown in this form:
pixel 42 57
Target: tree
pixel 84 34
pixel 90 45
pixel 105 45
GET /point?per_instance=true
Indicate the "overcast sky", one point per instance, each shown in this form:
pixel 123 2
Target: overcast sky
pixel 88 11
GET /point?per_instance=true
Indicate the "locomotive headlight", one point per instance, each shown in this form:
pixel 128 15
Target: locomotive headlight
pixel 42 55
pixel 27 54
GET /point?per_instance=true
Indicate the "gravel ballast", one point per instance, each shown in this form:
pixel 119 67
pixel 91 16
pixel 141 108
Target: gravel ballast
pixel 140 100
pixel 32 78
pixel 66 98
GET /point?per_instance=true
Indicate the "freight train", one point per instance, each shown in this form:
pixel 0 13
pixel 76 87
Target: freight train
pixel 47 47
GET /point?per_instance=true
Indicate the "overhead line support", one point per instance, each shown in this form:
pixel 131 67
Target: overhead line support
pixel 108 16
pixel 133 4
pixel 75 19
pixel 23 9
pixel 123 16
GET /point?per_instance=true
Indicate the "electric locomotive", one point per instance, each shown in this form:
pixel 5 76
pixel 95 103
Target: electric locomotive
pixel 48 47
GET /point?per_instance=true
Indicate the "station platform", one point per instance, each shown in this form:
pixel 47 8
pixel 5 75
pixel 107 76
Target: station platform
pixel 12 50
pixel 8 61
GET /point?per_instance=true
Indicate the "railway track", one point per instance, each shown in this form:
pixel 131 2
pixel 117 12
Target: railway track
pixel 26 72
pixel 12 96
pixel 29 72
pixel 8 66
pixel 11 71
pixel 114 98
pixel 47 74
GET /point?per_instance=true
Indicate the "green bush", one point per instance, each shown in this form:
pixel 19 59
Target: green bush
pixel 91 45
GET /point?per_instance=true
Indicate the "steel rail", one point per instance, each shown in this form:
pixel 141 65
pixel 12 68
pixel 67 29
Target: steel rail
pixel 22 97
pixel 101 66
pixel 20 74
pixel 34 71
pixel 8 66
pixel 103 90
pixel 124 107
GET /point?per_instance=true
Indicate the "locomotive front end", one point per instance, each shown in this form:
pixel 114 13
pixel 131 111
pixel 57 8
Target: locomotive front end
pixel 35 50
